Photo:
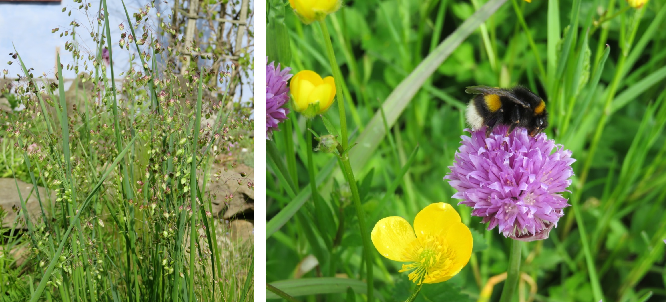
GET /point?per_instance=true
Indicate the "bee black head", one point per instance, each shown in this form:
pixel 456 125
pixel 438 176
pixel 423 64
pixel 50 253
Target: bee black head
pixel 536 117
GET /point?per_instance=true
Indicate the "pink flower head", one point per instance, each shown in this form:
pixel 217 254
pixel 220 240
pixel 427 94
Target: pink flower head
pixel 513 181
pixel 33 149
pixel 277 94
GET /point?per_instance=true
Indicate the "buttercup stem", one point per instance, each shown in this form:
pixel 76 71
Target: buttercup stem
pixel 415 294
pixel 349 175
pixel 513 273
pixel 311 170
pixel 338 83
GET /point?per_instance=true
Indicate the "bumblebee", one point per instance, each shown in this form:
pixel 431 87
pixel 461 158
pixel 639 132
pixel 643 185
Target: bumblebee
pixel 515 107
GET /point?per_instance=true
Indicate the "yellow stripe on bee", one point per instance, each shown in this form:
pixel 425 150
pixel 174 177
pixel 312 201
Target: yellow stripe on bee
pixel 493 102
pixel 539 109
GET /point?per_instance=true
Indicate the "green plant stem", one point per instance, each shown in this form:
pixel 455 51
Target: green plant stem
pixel 526 30
pixel 592 271
pixel 349 175
pixel 289 144
pixel 602 121
pixel 338 84
pixel 601 21
pixel 344 158
pixel 311 169
pixel 513 273
pixel 280 293
pixel 413 296
pixel 193 188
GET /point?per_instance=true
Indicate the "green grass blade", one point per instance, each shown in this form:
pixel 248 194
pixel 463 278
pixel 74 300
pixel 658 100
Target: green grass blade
pixel 56 257
pixel 591 92
pixel 563 58
pixel 193 184
pixel 316 286
pixel 637 89
pixel 288 212
pixel 63 122
pixel 400 97
pixel 553 34
pixel 151 85
pixel 248 282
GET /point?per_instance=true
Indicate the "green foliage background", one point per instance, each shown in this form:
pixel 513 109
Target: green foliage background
pixel 600 66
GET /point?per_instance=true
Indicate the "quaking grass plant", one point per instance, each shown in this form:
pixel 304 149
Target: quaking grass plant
pixel 400 69
pixel 127 217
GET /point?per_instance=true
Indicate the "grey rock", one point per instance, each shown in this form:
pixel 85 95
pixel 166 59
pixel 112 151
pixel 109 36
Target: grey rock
pixel 4 105
pixel 10 202
pixel 242 230
pixel 226 183
pixel 18 253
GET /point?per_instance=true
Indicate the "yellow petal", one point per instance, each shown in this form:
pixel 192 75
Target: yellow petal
pixel 435 218
pixel 528 1
pixel 458 238
pixel 327 99
pixel 327 6
pixel 391 236
pixel 320 95
pixel 304 9
pixel 310 76
pixel 301 86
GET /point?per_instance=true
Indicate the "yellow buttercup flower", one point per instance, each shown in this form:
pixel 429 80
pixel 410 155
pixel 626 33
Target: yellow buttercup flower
pixel 312 95
pixel 528 1
pixel 437 251
pixel 314 10
pixel 637 3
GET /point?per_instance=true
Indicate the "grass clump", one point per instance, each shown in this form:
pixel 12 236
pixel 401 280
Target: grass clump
pixel 126 162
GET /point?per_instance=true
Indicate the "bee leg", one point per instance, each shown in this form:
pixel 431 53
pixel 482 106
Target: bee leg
pixel 515 119
pixel 490 125
pixel 513 126
pixel 488 131
pixel 536 131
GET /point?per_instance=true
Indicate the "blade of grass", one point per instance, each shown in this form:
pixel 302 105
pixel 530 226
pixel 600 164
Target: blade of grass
pixel 637 89
pixel 193 184
pixel 526 30
pixel 296 203
pixel 248 282
pixel 316 286
pixel 400 97
pixel 56 257
pixel 553 34
pixel 591 92
pixel 151 86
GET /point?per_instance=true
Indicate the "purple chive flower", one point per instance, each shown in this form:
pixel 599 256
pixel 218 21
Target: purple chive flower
pixel 277 94
pixel 105 56
pixel 513 181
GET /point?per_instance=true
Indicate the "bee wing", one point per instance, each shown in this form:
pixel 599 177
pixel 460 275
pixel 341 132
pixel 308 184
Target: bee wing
pixel 498 91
